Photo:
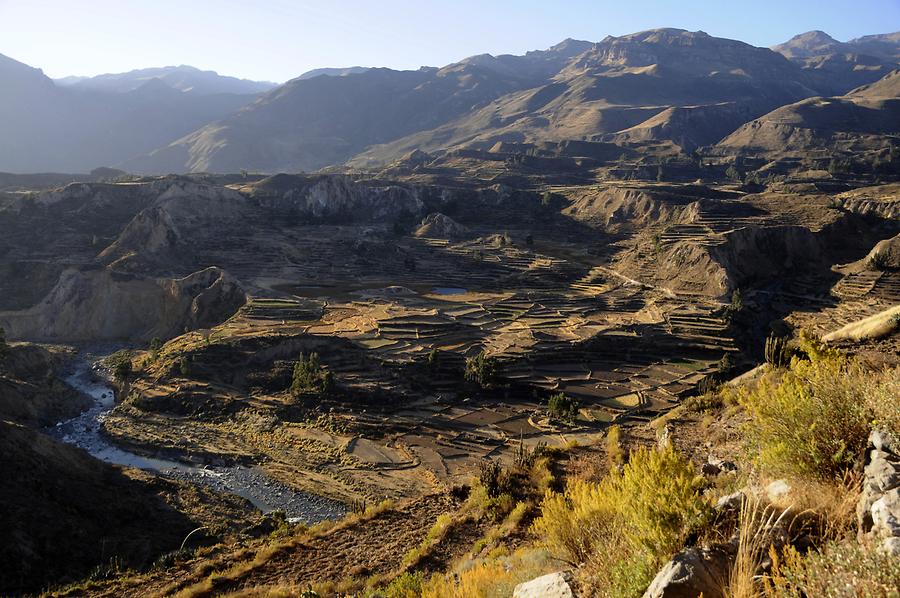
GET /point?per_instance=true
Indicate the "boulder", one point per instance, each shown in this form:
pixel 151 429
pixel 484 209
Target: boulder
pixel 553 585
pixel 890 546
pixel 883 440
pixel 723 465
pixel 886 514
pixel 731 502
pixel 691 573
pixel 777 490
pixel 710 469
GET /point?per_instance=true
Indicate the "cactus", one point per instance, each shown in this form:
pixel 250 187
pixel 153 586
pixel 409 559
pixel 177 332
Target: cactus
pixel 777 352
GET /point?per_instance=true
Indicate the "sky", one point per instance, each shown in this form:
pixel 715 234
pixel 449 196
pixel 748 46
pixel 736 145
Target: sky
pixel 276 40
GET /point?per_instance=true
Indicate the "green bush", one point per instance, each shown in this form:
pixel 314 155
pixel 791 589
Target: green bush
pixel 492 477
pixel 562 407
pixel 155 346
pixel 121 365
pixel 408 585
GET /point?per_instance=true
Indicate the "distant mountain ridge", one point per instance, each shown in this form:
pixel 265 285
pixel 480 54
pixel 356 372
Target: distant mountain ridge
pixel 51 128
pixel 334 72
pixel 662 88
pixel 183 78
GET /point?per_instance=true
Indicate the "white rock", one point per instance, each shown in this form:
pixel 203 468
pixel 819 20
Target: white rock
pixel 777 490
pixel 886 514
pixel 890 546
pixel 554 585
pixel 731 502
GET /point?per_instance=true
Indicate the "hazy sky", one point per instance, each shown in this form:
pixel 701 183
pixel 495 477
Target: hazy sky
pixel 279 39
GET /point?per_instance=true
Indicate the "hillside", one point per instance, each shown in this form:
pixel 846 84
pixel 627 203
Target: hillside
pixel 574 90
pixel 866 119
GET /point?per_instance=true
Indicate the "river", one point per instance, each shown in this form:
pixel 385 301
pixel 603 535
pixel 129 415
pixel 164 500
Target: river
pixel 266 494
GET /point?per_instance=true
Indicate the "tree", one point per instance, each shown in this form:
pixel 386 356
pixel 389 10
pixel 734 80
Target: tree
pixel 155 345
pixel 732 173
pixel 310 376
pixel 562 407
pixel 482 370
pixel 120 363
pixel 4 348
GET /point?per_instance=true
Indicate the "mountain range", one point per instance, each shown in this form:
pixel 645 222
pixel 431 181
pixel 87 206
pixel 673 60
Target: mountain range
pixel 666 88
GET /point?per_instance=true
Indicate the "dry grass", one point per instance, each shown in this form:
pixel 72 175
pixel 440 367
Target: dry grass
pixel 839 570
pixel 491 578
pixel 758 527
pixel 873 327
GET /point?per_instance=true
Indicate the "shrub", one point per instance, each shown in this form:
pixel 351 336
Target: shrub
pixel 811 420
pixel 562 407
pixel 883 400
pixel 184 366
pixel 633 520
pixel 492 478
pixel 408 585
pixel 488 579
pixel 839 570
pixel 879 261
pixel 525 458
pixel 482 370
pixel 120 364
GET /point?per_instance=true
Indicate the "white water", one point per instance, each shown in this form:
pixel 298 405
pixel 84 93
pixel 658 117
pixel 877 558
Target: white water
pixel 267 495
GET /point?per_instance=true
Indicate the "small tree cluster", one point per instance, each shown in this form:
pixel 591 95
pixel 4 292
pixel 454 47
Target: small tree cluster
pixel 562 407
pixel 155 346
pixel 121 366
pixel 310 376
pixel 482 370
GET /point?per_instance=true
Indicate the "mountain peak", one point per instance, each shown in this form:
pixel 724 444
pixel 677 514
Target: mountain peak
pixel 808 44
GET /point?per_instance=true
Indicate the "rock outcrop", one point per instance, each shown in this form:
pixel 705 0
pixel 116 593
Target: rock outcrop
pixel 30 392
pixel 439 226
pixel 93 305
pixel 878 510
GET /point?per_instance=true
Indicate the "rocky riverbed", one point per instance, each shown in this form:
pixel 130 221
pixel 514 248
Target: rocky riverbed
pixel 85 431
